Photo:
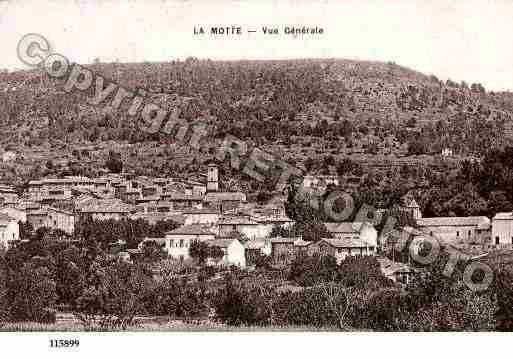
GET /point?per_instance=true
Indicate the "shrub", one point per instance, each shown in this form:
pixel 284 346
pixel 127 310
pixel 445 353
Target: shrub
pixel 311 270
pixel 115 299
pixel 362 272
pixel 237 305
pixel 176 299
pixel 31 291
pixel 320 306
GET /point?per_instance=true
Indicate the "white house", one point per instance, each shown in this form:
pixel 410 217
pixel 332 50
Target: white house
pixel 357 231
pixel 340 248
pixel 396 271
pixel 261 245
pixel 267 223
pixel 447 152
pixel 105 209
pixel 207 216
pixel 178 241
pixel 9 231
pixel 8 195
pixel 225 201
pixel 19 214
pixel 458 229
pixel 53 218
pixel 234 251
pixel 410 206
pixel 310 181
pixel 9 156
pixel 502 228
pixel 245 225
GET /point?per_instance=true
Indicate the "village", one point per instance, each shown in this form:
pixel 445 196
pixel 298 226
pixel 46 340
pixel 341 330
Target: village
pixel 228 221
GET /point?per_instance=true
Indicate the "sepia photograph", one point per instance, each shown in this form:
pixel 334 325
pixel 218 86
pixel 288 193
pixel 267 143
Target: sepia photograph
pixel 246 169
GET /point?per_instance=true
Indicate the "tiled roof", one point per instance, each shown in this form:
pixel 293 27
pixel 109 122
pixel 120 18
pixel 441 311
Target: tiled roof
pixel 4 218
pixel 133 191
pixel 411 230
pixel 7 189
pixel 480 221
pixel 409 201
pixel 256 243
pixel 156 240
pixel 225 196
pixel 302 243
pixel 285 239
pixel 69 180
pixel 201 211
pixel 149 198
pixel 28 205
pixel 39 212
pixel 221 243
pixel 192 229
pixel 389 267
pixel 504 215
pixel 159 216
pixel 343 227
pixel 60 210
pixel 237 221
pixel 346 242
pixel 106 206
pixel 174 196
pixel 273 219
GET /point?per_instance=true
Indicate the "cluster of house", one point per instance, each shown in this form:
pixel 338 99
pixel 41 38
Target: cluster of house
pixel 222 219
pixel 57 204
pixel 465 231
pixel 348 239
pixel 226 220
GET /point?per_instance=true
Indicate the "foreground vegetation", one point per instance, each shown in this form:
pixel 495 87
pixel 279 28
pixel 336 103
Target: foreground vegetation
pixel 101 292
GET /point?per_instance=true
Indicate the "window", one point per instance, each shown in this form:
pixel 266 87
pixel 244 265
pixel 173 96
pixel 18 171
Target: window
pixel 181 243
pixel 457 233
pixel 431 233
pixel 497 240
pixel 469 233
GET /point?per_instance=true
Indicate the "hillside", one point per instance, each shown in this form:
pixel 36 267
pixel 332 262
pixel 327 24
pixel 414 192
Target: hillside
pixel 303 110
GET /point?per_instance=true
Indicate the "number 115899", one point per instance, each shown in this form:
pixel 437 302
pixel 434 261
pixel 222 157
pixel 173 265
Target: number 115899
pixel 64 343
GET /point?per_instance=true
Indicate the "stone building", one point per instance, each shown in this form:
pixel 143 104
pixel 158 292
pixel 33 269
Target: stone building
pixel 457 230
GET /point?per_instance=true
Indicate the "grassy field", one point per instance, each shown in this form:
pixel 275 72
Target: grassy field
pixel 157 327
pixel 67 323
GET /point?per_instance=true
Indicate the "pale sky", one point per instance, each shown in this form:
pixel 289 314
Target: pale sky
pixel 466 40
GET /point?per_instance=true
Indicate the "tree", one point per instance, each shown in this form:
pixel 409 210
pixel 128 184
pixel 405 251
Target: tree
pixel 338 300
pixel 237 304
pixel 114 163
pixel 152 252
pixel 199 251
pixel 503 288
pixel 411 123
pixel 70 275
pixel 31 294
pixel 477 87
pixel 26 230
pixel 311 270
pixel 345 166
pixel 114 296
